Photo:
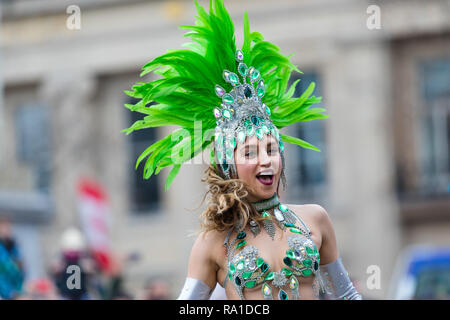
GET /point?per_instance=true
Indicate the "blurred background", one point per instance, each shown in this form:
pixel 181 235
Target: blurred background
pixel 69 194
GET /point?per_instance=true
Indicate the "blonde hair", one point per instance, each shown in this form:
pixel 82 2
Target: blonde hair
pixel 228 206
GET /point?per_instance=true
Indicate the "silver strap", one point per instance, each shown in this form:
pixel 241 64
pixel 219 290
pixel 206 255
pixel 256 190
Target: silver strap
pixel 337 282
pixel 195 289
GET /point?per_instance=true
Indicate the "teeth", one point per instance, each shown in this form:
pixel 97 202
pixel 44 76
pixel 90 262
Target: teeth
pixel 266 173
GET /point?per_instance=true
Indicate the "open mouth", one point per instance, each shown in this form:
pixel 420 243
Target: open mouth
pixel 265 179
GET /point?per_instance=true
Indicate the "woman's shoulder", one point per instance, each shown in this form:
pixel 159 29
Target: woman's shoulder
pixel 310 211
pixel 208 242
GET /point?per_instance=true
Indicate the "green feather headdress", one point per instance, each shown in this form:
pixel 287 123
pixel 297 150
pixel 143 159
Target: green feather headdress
pixel 186 95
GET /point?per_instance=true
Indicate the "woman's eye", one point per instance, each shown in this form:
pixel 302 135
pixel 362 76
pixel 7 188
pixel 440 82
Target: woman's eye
pixel 249 154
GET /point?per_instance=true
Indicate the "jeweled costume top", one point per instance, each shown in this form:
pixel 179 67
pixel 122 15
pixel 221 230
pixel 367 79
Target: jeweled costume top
pixel 218 96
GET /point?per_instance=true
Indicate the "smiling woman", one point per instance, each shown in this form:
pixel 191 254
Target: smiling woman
pixel 296 254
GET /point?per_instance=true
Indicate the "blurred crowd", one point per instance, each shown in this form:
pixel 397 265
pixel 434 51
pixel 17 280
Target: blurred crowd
pixel 76 274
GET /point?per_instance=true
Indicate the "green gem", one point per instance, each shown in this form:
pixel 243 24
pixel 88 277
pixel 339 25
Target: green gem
pixel 264 267
pixel 230 276
pixel 281 146
pixel 290 254
pixel 232 268
pixel 232 142
pixel 227 98
pixel 266 290
pixel 307 262
pixel 247 123
pixel 238 281
pixel 283 208
pixel 267 110
pixel 259 133
pixel 259 262
pixel 240 266
pixel 316 266
pixel 241 136
pixel 241 235
pixel 229 154
pixel 287 261
pixel 269 276
pixel 255 75
pixel 248 92
pixel 307 272
pixel 289 225
pixel 282 295
pixel 226 113
pixel 240 244
pixel 250 130
pixel 294 230
pixel 260 91
pixel 265 214
pixel 250 284
pixel 233 78
pixel 287 272
pixel 265 128
pixel 219 157
pixel 255 120
pixel 246 274
pixel 243 69
pixel 309 251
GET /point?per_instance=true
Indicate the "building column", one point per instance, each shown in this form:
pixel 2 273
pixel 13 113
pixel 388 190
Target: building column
pixel 360 139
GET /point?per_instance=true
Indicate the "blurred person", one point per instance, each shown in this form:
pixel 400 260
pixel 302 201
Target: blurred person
pixel 73 253
pixel 245 228
pixel 40 289
pixel 156 289
pixel 11 267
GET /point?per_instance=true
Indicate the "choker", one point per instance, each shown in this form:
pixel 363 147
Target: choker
pixel 266 204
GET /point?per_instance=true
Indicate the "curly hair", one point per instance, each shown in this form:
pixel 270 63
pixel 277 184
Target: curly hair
pixel 228 206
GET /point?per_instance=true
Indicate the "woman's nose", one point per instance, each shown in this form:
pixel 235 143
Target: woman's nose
pixel 264 159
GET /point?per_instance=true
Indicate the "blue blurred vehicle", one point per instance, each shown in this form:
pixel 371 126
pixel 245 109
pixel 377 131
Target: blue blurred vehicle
pixel 422 272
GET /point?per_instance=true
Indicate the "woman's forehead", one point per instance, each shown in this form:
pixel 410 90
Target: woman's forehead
pixel 254 141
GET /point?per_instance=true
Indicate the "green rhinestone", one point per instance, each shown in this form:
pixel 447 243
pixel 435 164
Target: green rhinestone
pixel 240 266
pixel 316 266
pixel 243 69
pixel 295 230
pixel 282 295
pixel 241 235
pixel 233 78
pixel 247 123
pixel 265 128
pixel 230 276
pixel 228 99
pixel 287 272
pixel 281 146
pixel 248 92
pixel 232 268
pixel 260 91
pixel 241 136
pixel 267 110
pixel 287 261
pixel 238 281
pixel 259 262
pixel 283 208
pixel 226 113
pixel 250 130
pixel 255 75
pixel 288 225
pixel 240 244
pixel 229 154
pixel 309 251
pixel 232 142
pixel 246 274
pixel 265 214
pixel 259 133
pixel 290 254
pixel 219 157
pixel 269 276
pixel 307 272
pixel 255 120
pixel 250 284
pixel 264 267
pixel 307 262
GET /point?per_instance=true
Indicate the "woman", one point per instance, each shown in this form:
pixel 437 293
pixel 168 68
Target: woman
pixel 251 244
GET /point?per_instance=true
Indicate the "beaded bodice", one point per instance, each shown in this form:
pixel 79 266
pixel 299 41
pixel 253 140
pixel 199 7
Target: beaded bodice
pixel 247 269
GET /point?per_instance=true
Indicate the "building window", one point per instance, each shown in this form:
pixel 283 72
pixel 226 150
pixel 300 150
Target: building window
pixel 307 175
pixel 434 81
pixel 144 194
pixel 34 143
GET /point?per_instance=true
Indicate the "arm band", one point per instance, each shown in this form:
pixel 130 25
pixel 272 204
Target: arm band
pixel 337 284
pixel 195 289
